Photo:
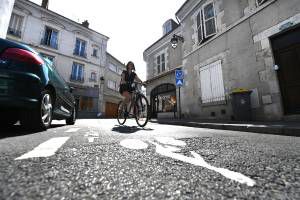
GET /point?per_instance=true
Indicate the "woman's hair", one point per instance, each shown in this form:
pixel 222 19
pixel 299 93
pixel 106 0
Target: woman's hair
pixel 130 62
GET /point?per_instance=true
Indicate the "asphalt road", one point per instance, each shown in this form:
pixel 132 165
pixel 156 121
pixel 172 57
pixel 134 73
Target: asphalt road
pixel 97 159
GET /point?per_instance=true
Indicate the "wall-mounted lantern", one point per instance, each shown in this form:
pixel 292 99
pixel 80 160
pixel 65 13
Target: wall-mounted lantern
pixel 175 39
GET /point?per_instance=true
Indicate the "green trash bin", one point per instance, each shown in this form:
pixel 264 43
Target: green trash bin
pixel 241 105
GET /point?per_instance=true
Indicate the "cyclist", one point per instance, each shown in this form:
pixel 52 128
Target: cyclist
pixel 128 76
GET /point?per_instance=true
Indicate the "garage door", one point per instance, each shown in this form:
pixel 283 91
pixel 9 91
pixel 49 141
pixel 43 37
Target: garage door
pixel 111 110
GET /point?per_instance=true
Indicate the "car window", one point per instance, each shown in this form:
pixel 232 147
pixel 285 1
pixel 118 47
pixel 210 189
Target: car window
pixel 52 67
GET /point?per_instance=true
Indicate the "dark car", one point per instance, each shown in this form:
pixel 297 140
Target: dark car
pixel 31 90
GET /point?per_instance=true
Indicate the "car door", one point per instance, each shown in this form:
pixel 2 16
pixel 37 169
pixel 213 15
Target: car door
pixel 64 104
pixel 67 100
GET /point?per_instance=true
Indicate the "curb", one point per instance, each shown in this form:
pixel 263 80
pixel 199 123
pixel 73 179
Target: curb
pixel 266 129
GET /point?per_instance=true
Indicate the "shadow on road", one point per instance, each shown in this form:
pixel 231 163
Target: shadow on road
pixel 18 130
pixel 129 129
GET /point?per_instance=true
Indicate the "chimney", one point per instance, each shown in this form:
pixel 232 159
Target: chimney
pixel 45 4
pixel 85 24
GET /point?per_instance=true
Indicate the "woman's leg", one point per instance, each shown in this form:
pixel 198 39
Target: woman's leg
pixel 127 100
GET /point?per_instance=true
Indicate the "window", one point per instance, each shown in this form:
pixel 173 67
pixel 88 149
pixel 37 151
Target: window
pixel 15 25
pixel 260 2
pixel 211 80
pixel 112 67
pixel 93 77
pixel 95 53
pixel 80 48
pixel 77 72
pixel 158 64
pixel 112 85
pixel 50 38
pixel 167 27
pixel 206 22
pixel 161 63
pixel 120 71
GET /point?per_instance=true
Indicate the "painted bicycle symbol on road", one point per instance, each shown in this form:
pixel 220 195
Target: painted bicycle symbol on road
pixel 170 147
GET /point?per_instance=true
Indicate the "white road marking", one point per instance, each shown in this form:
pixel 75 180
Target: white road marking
pixel 134 144
pixel 45 149
pixel 72 130
pixel 92 135
pixel 170 141
pixel 199 161
pixel 174 152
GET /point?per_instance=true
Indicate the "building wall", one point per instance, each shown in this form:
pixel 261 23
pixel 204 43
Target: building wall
pixel 35 19
pixel 173 56
pixel 110 95
pixel 242 44
pixel 245 63
pixel 5 13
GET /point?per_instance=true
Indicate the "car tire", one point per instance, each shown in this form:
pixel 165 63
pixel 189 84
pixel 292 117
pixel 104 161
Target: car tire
pixel 39 118
pixel 71 120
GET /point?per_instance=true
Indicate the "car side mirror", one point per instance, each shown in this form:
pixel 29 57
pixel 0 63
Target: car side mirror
pixel 71 89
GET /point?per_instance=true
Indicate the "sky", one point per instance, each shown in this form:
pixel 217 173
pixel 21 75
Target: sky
pixel 131 25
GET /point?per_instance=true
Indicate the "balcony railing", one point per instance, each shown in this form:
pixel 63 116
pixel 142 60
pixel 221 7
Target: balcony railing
pixel 49 43
pixel 74 78
pixel 14 32
pixel 78 53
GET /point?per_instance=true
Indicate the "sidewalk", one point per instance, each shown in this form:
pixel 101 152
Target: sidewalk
pixel 278 128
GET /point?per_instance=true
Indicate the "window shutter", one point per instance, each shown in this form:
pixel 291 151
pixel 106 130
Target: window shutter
pixel 212 85
pixel 206 90
pixel 199 28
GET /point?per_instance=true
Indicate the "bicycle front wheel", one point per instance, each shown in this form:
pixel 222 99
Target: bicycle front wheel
pixel 121 113
pixel 141 111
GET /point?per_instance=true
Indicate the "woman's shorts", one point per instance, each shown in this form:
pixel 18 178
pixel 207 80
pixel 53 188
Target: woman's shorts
pixel 124 88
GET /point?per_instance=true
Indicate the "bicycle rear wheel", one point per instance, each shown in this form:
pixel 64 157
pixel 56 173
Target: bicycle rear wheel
pixel 121 113
pixel 141 111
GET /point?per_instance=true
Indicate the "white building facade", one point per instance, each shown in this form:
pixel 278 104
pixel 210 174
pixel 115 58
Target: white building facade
pixel 112 79
pixel 5 13
pixel 78 52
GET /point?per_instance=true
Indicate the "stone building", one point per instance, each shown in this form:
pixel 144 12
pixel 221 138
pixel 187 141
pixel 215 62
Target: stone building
pixel 112 79
pixel 5 13
pixel 250 44
pixel 78 52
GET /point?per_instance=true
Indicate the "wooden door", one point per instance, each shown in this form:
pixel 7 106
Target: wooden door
pixel 111 110
pixel 287 56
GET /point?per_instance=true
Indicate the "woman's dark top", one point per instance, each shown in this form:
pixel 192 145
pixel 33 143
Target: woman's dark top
pixel 129 79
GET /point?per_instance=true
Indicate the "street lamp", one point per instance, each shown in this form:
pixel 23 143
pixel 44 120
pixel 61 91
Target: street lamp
pixel 101 80
pixel 175 39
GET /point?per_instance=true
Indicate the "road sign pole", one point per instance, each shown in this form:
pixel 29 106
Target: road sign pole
pixel 179 101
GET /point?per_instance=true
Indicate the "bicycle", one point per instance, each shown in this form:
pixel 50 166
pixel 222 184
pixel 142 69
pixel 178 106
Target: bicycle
pixel 140 108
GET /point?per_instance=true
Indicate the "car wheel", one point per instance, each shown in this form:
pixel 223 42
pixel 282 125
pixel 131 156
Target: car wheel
pixel 71 120
pixel 41 117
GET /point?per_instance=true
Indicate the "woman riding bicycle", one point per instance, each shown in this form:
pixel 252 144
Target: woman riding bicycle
pixel 128 77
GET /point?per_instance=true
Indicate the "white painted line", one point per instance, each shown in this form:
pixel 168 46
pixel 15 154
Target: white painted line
pixel 92 135
pixel 133 144
pixel 196 159
pixel 72 130
pixel 170 141
pixel 91 139
pixel 45 149
pixel 199 161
